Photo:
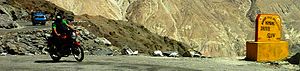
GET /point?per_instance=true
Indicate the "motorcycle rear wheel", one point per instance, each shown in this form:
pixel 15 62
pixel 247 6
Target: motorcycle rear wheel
pixel 52 54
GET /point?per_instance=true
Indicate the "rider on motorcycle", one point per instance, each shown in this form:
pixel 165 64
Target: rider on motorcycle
pixel 60 30
pixel 63 41
pixel 61 25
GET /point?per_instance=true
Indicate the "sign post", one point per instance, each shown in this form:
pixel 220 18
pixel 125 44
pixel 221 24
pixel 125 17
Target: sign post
pixel 268 45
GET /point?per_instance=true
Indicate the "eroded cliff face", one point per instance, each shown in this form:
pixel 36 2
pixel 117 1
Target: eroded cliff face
pixel 112 9
pixel 213 27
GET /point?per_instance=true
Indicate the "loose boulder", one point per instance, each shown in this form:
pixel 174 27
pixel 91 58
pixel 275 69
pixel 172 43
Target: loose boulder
pixel 157 53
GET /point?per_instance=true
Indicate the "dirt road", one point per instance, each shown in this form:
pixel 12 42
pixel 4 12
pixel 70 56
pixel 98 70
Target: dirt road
pixel 27 26
pixel 129 63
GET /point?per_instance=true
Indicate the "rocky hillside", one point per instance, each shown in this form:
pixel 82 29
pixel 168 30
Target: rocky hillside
pixel 214 27
pixel 126 34
pixel 33 42
pixel 121 34
pixel 111 9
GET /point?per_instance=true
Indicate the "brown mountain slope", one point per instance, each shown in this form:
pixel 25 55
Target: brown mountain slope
pixel 128 34
pixel 121 33
pixel 112 9
pixel 214 27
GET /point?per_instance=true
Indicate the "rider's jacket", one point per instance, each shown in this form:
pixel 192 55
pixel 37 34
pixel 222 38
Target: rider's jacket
pixel 60 25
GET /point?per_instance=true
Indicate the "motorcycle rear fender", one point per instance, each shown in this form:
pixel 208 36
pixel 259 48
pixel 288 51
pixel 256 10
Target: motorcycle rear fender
pixel 77 43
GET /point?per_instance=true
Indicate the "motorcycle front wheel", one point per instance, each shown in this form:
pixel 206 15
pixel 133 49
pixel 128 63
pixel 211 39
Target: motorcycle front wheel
pixel 78 53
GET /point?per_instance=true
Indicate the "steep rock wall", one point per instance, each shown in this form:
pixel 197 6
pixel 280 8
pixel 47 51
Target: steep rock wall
pixel 214 27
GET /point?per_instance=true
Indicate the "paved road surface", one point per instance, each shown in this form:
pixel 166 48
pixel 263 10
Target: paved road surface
pixel 129 63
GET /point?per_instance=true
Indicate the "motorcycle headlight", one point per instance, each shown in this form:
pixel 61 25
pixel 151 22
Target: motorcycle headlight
pixel 73 36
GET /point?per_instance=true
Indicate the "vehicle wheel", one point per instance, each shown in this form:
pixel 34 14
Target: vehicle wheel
pixel 78 53
pixel 44 23
pixel 33 23
pixel 53 54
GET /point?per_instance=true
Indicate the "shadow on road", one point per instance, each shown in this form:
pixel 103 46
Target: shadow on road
pixel 138 67
pixel 51 61
pixel 35 25
pixel 294 59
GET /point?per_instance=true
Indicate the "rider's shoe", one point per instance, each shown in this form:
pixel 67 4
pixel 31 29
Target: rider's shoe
pixel 54 55
pixel 76 56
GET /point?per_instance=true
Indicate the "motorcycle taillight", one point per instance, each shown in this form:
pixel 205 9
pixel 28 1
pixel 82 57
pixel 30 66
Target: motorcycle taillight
pixel 77 43
pixel 64 36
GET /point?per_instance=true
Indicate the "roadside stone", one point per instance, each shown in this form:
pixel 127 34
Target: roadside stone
pixel 21 45
pixel 22 40
pixel 93 36
pixel 115 50
pixel 33 50
pixel 5 20
pixel 103 51
pixel 294 59
pixel 10 40
pixel 174 54
pixel 128 51
pixel 102 41
pixel 14 24
pixel 3 54
pixel 81 33
pixel 2 1
pixel 47 35
pixel 80 39
pixel 39 34
pixel 45 50
pixel 28 39
pixel 12 49
pixel 28 43
pixel 86 32
pixel 33 37
pixel 192 53
pixel 35 41
pixel 15 34
pixel 85 38
pixel 29 54
pixel 157 53
pixel 40 46
pixel 87 52
pixel 171 53
pixel 1 50
pixel 27 35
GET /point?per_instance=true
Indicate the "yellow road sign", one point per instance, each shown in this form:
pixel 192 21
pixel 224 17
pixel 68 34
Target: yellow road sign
pixel 268 45
pixel 267 51
pixel 268 28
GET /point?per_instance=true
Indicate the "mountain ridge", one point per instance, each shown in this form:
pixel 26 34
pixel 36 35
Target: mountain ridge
pixel 213 27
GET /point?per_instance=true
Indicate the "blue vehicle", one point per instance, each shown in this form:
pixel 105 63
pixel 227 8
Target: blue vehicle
pixel 39 18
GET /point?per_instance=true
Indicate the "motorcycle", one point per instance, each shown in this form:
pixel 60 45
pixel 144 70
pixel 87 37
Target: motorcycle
pixel 64 46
